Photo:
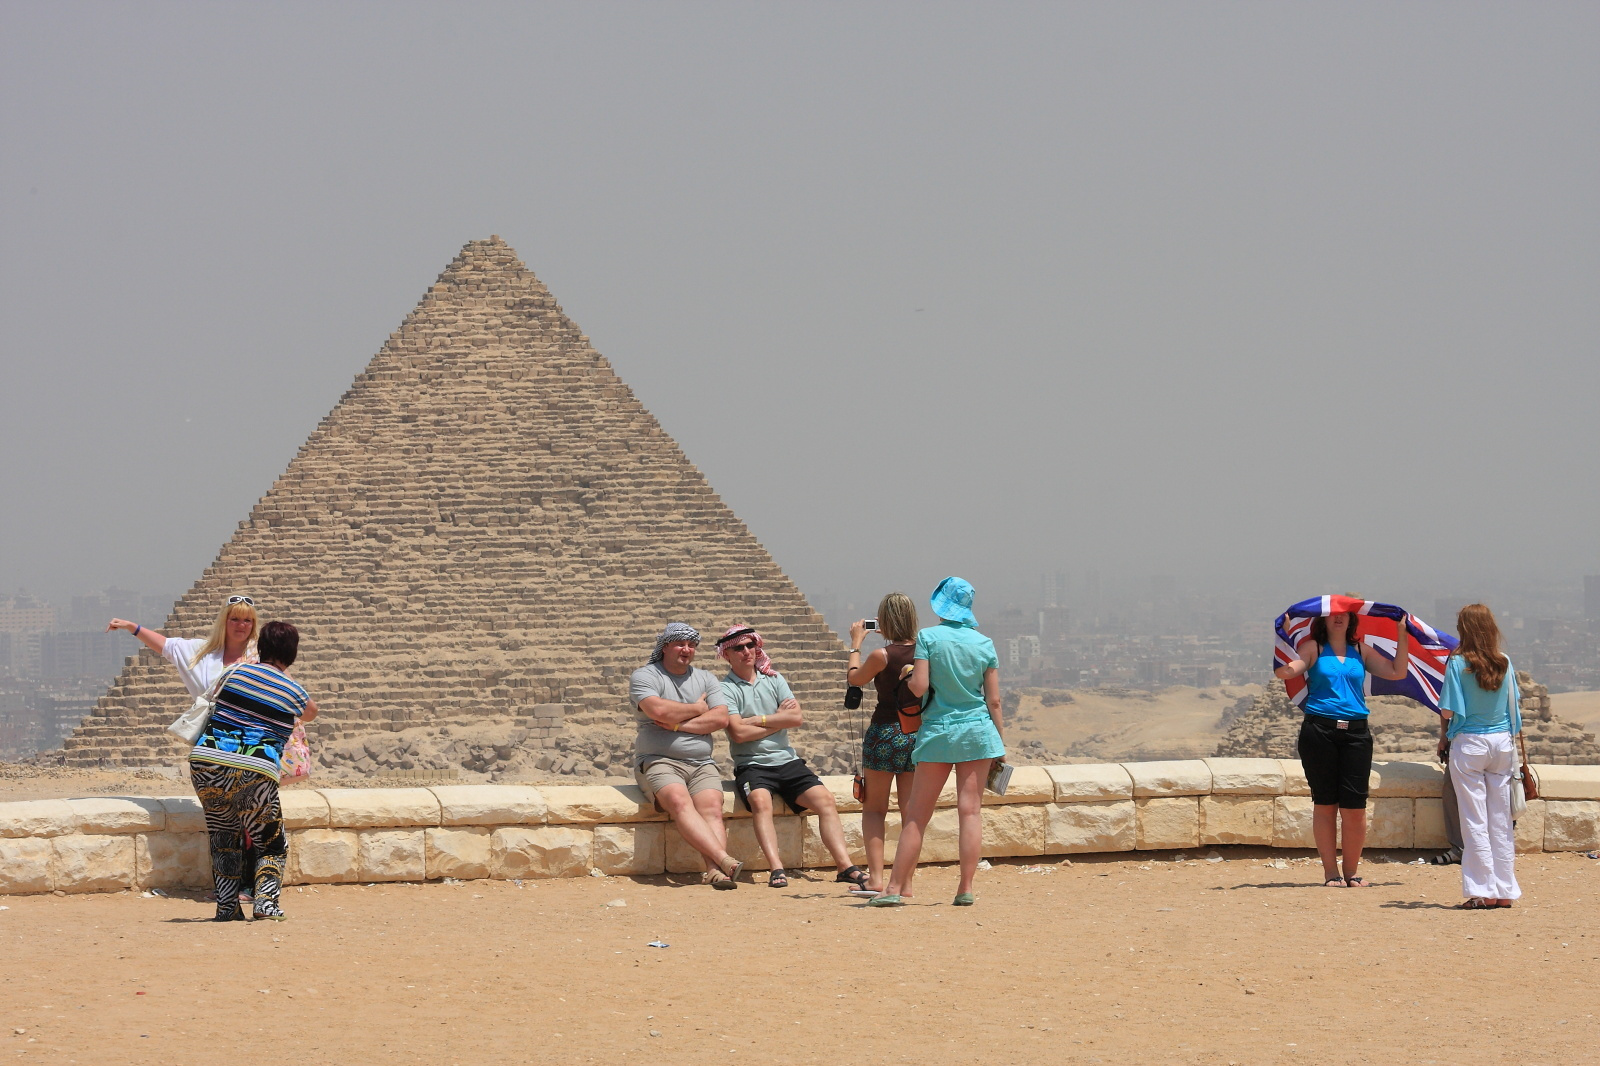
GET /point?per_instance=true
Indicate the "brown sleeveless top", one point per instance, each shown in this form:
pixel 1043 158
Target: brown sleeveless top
pixel 888 680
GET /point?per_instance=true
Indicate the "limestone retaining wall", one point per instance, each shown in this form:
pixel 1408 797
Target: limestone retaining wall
pixel 512 831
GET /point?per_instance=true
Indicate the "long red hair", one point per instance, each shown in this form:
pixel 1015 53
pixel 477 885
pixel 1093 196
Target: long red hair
pixel 1480 646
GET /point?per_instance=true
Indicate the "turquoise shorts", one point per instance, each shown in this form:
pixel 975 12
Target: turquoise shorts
pixel 960 737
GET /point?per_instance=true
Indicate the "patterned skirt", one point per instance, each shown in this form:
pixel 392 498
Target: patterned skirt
pixel 886 748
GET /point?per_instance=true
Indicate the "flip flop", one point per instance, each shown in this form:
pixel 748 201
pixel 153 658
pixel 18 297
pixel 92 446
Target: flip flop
pixel 1334 882
pixel 778 879
pixel 886 900
pixel 1477 904
pixel 865 893
pixel 1358 882
pixel 964 899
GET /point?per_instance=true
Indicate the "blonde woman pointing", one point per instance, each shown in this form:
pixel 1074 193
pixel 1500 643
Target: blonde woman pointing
pixel 201 662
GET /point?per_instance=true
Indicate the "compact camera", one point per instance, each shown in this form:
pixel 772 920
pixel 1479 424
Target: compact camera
pixel 870 625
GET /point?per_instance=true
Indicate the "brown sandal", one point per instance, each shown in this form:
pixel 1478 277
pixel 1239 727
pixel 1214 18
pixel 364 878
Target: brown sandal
pixel 1477 903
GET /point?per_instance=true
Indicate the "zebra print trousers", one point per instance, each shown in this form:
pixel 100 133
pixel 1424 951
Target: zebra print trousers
pixel 240 803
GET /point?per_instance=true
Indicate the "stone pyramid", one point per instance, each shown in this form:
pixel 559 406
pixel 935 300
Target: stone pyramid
pixel 487 528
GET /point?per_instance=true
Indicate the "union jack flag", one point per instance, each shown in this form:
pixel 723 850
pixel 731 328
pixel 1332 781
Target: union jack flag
pixel 1377 626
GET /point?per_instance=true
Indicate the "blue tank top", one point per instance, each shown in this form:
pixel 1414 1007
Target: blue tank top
pixel 1334 687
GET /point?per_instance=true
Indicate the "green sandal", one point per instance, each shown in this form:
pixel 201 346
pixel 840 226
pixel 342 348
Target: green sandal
pixel 886 901
pixel 964 899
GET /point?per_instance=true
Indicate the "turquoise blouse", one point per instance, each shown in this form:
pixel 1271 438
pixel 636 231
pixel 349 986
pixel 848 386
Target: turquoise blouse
pixel 1472 710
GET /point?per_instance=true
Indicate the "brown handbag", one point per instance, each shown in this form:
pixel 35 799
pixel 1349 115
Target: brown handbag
pixel 1530 780
pixel 910 713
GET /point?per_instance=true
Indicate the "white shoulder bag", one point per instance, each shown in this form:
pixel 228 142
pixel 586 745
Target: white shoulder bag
pixel 192 723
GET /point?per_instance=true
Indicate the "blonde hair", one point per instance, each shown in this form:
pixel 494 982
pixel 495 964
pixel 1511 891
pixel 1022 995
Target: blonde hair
pixel 219 631
pixel 897 617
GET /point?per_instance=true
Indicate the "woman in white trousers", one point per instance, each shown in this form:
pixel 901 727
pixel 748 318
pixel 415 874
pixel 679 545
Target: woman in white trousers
pixel 1478 717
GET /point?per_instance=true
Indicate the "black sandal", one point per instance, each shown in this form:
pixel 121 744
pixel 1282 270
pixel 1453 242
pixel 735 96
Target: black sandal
pixel 778 879
pixel 853 875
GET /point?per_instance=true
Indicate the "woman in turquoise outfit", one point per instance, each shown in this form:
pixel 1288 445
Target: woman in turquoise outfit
pixel 955 666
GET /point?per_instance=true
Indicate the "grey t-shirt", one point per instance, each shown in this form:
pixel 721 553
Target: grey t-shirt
pixel 652 740
pixel 753 700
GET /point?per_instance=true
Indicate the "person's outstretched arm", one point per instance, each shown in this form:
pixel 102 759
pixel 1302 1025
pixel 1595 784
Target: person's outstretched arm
pixel 1295 667
pixel 150 638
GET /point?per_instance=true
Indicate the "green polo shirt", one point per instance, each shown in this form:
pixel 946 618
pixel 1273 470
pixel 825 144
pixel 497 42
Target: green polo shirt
pixel 752 700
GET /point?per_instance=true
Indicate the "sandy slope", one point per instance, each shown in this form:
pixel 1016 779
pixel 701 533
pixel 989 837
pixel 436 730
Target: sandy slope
pixel 1121 960
pixel 1177 722
pixel 1579 708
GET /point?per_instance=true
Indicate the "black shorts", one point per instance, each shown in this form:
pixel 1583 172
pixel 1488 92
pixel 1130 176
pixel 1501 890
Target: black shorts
pixel 789 781
pixel 1337 761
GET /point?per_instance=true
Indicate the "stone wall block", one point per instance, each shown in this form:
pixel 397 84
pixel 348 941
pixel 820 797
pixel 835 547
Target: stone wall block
pixel 840 785
pixel 93 863
pixel 26 865
pixel 462 853
pixel 1029 784
pixel 1245 777
pixel 1291 822
pixel 790 833
pixel 304 808
pixel 37 818
pixel 630 850
pixel 184 814
pixel 1390 822
pixel 1530 827
pixel 373 808
pixel 679 856
pixel 1428 825
pixel 941 842
pixel 1571 825
pixel 318 856
pixel 1188 777
pixel 119 814
pixel 490 805
pixel 392 855
pixel 814 856
pixel 1411 780
pixel 1090 782
pixel 1242 819
pixel 543 851
pixel 1294 778
pixel 172 860
pixel 588 804
pixel 1168 822
pixel 1089 826
pixel 1555 782
pixel 1013 829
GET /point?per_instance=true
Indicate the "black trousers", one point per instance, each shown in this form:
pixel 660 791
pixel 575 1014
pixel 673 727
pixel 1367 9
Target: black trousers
pixel 1337 758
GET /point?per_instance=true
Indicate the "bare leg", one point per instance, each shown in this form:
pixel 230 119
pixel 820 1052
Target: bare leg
pixel 874 823
pixel 819 801
pixel 766 832
pixel 1325 827
pixel 925 788
pixel 902 803
pixel 701 830
pixel 970 778
pixel 1353 837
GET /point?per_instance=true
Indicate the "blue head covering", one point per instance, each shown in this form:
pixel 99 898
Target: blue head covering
pixel 952 601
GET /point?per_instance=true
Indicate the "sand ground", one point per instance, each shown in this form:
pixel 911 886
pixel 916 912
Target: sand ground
pixel 1178 722
pixel 1580 708
pixel 1113 959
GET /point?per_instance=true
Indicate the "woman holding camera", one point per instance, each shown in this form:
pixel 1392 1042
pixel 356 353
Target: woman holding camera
pixel 886 747
pixel 961 731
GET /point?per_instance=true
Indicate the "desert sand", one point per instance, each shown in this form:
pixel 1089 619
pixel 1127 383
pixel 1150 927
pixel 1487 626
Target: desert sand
pixel 1117 960
pixel 1178 722
pixel 1580 708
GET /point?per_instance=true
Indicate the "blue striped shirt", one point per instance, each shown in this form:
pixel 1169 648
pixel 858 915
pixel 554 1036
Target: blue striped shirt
pixel 255 712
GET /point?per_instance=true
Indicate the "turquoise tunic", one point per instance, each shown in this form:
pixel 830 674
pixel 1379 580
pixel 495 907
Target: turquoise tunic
pixel 956 726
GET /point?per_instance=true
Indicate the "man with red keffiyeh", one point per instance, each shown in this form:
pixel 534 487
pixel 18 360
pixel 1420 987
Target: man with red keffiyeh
pixel 761 711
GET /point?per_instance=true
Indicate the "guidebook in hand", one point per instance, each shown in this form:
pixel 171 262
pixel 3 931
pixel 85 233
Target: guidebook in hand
pixel 999 777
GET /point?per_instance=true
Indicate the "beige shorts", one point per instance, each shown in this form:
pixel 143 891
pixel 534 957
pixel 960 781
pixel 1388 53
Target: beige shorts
pixel 657 774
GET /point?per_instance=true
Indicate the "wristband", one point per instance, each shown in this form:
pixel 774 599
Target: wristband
pixel 675 726
pixel 137 630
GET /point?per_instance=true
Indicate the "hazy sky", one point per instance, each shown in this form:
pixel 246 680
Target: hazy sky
pixel 1223 291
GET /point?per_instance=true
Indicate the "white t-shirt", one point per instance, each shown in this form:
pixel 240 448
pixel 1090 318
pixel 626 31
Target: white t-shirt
pixel 199 677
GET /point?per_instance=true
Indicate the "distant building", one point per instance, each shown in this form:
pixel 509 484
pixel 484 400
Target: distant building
pixel 1023 653
pixel 24 614
pixel 82 654
pixel 1053 589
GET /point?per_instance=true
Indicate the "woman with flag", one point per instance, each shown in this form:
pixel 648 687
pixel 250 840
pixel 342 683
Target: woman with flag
pixel 1335 741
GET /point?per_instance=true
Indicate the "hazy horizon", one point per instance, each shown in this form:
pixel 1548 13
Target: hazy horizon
pixel 1272 300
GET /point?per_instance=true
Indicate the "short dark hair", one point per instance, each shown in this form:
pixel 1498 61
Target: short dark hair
pixel 278 644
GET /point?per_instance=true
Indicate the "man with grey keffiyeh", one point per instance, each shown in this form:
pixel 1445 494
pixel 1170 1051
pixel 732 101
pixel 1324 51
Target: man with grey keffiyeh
pixel 680 708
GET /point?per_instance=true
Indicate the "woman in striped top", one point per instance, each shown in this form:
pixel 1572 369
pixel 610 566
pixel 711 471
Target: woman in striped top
pixel 235 767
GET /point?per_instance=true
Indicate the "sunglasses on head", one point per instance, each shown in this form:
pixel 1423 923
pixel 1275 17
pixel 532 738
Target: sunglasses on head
pixel 246 600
